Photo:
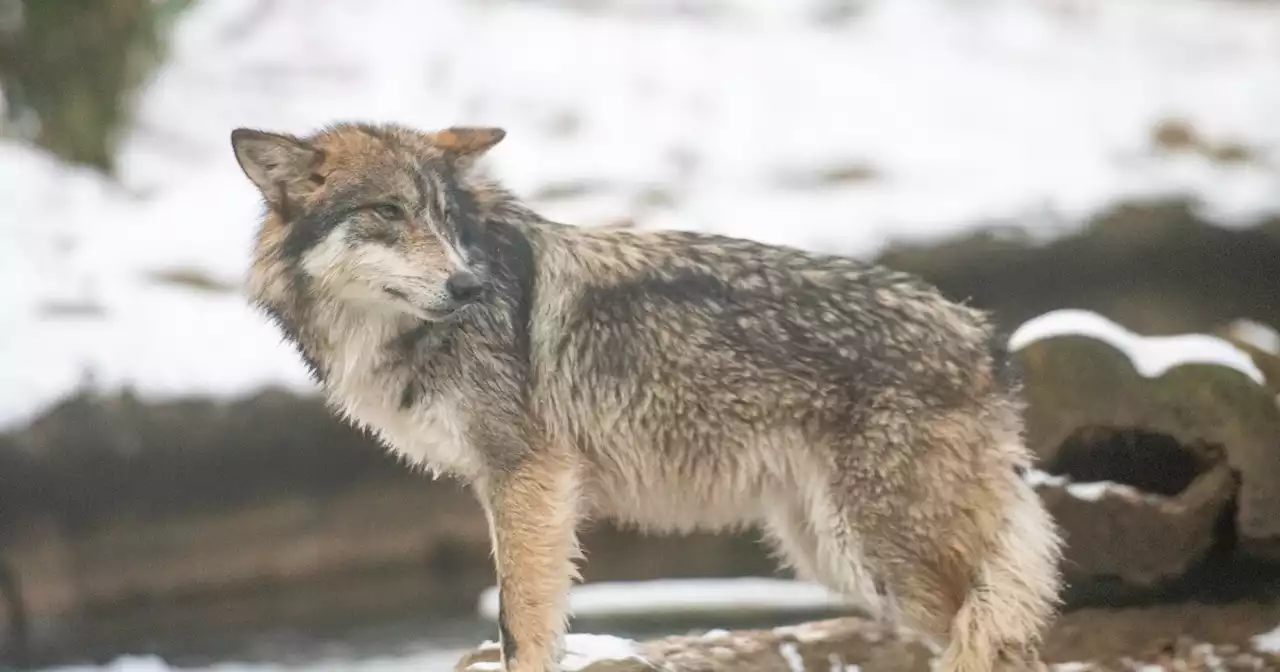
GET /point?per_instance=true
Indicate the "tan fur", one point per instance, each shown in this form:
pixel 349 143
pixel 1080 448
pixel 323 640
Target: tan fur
pixel 673 381
pixel 533 517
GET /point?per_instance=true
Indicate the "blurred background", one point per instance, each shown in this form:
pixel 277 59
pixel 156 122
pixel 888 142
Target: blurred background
pixel 173 493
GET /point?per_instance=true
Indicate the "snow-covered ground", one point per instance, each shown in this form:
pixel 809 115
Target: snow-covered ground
pixel 906 119
pixel 691 597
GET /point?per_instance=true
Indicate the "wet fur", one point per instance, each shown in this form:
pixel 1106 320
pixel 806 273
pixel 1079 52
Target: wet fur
pixel 675 381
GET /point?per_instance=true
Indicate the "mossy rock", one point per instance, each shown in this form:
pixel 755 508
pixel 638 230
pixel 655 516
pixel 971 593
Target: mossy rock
pixel 1214 404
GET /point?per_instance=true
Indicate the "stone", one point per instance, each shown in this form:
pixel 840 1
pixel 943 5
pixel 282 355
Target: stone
pixel 849 644
pixel 834 644
pixel 1162 416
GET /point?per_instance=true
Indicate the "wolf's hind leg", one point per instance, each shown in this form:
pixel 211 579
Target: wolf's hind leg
pixel 966 548
pixel 822 549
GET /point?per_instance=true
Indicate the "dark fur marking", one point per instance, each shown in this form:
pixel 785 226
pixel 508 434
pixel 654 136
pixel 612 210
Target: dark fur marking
pixel 382 234
pixel 409 340
pixel 789 342
pixel 464 215
pixel 382 135
pixel 312 227
pixel 504 632
pixel 420 183
pixel 513 269
pixel 283 208
pixel 411 393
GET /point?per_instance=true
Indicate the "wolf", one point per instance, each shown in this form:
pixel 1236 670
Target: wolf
pixel 669 380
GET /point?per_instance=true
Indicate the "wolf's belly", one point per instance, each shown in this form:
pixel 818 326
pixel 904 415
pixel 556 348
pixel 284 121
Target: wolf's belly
pixel 671 503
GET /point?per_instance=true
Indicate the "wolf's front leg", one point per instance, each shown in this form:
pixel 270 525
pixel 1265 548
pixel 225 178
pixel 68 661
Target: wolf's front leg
pixel 532 511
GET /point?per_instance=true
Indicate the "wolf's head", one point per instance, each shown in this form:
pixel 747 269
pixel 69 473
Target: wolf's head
pixel 378 216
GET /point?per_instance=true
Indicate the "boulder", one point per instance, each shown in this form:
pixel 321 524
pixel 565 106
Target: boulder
pixel 1141 538
pixel 838 645
pixel 1168 429
pixel 833 644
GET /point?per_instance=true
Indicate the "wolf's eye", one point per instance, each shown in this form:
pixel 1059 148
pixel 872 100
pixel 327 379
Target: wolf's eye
pixel 389 211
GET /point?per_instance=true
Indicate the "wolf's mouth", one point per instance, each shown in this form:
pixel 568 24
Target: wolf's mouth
pixel 433 314
pixel 442 314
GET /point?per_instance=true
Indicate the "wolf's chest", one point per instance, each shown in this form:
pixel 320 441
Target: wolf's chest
pixel 431 435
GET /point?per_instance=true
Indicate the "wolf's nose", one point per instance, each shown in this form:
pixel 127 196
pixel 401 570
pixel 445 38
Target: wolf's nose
pixel 464 286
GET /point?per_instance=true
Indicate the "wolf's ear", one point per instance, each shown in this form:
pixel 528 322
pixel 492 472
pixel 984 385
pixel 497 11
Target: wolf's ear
pixel 467 143
pixel 281 166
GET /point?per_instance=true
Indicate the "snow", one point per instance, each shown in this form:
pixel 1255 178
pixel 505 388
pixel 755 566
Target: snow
pixel 963 113
pixel 838 666
pixel 1091 491
pixel 1268 641
pixel 1257 335
pixel 608 599
pixel 581 650
pixel 1151 356
pixel 792 655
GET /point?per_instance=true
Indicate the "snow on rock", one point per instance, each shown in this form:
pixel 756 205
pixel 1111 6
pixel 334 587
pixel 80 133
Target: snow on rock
pixel 581 652
pixel 613 599
pixel 1256 334
pixel 906 120
pixel 792 656
pixel 1151 356
pixel 1268 641
pixel 1089 492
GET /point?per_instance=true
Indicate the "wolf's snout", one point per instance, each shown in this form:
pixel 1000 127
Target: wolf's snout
pixel 464 286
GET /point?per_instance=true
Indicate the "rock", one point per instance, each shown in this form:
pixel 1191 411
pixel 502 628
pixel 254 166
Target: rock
pixel 1115 530
pixel 833 644
pixel 1160 415
pixel 839 645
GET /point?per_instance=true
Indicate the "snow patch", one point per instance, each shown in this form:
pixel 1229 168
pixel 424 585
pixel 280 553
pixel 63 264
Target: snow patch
pixel 1268 642
pixel 1091 491
pixel 792 655
pixel 837 665
pixel 1152 356
pixel 582 650
pixel 1256 334
pixel 688 596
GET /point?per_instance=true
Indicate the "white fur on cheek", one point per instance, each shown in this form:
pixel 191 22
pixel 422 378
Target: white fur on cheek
pixel 324 260
pixel 363 271
pixel 376 263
